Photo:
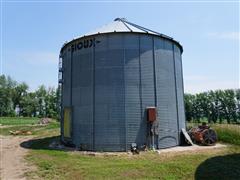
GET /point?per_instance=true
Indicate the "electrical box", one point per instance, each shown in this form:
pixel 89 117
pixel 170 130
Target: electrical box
pixel 151 114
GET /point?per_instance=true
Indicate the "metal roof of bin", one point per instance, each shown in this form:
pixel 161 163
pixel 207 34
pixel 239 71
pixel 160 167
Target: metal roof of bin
pixel 122 25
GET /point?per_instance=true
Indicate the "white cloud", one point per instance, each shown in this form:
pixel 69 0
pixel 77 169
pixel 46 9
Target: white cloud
pixel 195 84
pixel 39 58
pixel 225 35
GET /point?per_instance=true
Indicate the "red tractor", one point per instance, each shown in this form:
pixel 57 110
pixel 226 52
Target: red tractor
pixel 203 135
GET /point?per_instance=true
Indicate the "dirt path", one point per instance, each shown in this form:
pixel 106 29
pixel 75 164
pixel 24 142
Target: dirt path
pixel 12 163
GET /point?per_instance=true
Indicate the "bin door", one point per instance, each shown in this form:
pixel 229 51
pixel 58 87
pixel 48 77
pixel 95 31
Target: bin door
pixel 67 122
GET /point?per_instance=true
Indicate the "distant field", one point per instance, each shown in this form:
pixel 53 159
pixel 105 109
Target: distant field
pixel 18 121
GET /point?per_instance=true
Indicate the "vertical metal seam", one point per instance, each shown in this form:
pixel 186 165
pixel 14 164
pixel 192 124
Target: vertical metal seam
pixel 62 102
pixel 93 80
pixel 71 59
pixel 154 72
pixel 183 92
pixel 140 81
pixel 176 92
pixel 155 82
pixel 124 90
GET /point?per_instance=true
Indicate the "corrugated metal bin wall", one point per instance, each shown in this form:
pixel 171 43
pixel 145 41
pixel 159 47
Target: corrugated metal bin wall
pixel 111 85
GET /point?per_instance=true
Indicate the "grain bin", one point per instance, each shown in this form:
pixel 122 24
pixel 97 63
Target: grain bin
pixel 110 77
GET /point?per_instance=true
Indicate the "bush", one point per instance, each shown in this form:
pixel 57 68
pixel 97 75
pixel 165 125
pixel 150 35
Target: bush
pixel 228 133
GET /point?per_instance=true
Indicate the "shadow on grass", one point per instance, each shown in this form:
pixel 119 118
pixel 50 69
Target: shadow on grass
pixel 220 167
pixel 47 143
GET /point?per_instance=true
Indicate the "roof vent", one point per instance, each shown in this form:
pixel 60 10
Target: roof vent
pixel 120 19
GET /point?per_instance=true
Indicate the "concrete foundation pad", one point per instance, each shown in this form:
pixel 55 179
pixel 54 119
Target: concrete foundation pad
pixel 190 148
pixel 178 149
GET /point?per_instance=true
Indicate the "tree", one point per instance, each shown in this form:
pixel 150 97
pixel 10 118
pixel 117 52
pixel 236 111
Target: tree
pixel 237 95
pixel 230 106
pixel 51 103
pixel 6 104
pixel 29 105
pixel 41 95
pixel 214 106
pixel 189 101
pixel 18 93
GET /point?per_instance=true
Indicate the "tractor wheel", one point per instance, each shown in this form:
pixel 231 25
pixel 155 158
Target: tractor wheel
pixel 209 137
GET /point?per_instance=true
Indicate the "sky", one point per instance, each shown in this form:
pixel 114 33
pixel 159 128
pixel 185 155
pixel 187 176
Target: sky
pixel 32 33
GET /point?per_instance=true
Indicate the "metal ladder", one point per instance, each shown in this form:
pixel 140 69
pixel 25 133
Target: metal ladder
pixel 60 83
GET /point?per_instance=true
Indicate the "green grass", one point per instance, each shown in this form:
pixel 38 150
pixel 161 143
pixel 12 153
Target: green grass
pixel 211 164
pixel 38 130
pixel 54 164
pixel 57 164
pixel 228 133
pixel 18 121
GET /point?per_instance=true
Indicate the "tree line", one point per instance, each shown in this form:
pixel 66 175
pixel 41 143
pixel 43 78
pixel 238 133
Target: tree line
pixel 214 106
pixel 16 100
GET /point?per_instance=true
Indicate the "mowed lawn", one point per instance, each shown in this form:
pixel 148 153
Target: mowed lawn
pixel 212 164
pixel 216 164
pixel 10 121
pixel 9 124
